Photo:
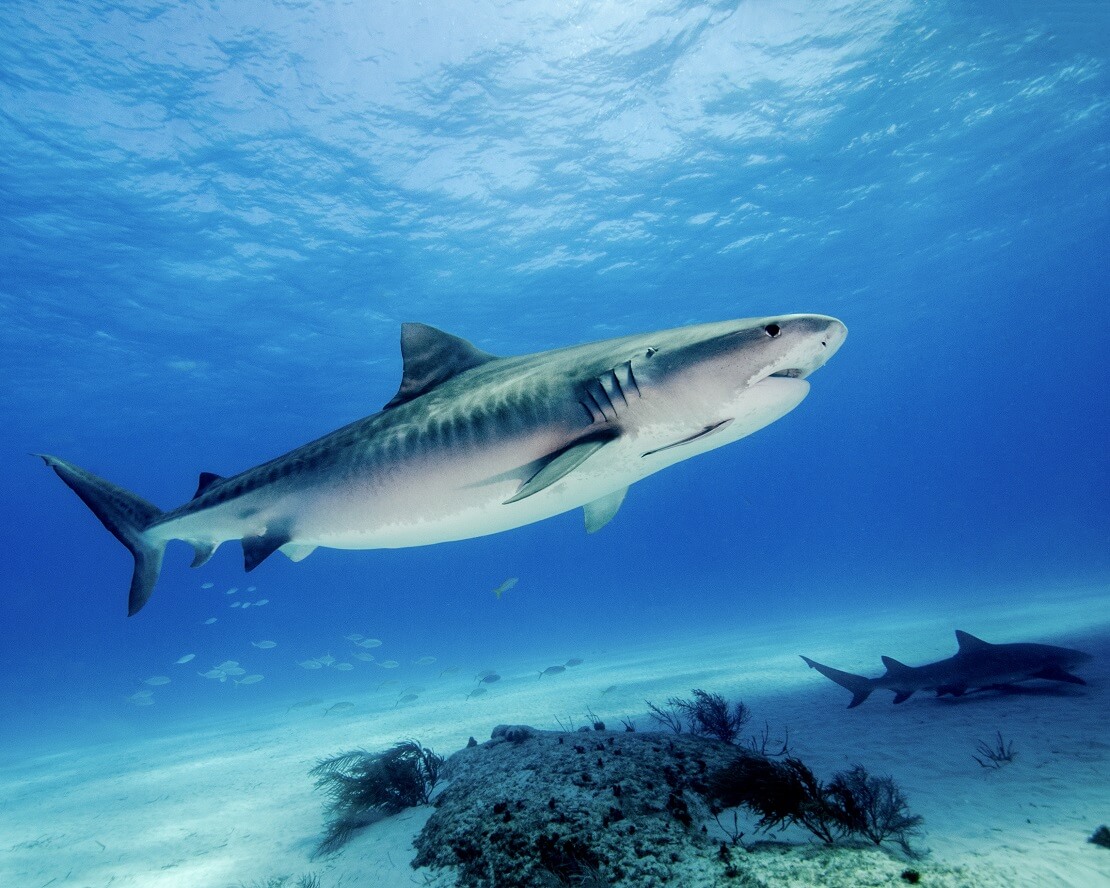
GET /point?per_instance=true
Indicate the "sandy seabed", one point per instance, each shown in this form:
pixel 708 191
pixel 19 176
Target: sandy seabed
pixel 228 803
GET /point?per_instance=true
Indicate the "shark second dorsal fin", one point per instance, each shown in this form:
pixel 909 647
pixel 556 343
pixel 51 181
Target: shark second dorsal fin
pixel 893 666
pixel 207 479
pixel 432 357
pixel 969 642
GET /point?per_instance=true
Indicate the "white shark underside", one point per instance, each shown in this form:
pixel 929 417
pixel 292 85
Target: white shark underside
pixel 473 444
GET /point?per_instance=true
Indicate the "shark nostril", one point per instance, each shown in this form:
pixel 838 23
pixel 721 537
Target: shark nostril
pixel 772 330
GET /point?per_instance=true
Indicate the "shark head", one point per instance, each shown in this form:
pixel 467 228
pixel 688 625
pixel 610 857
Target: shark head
pixel 710 384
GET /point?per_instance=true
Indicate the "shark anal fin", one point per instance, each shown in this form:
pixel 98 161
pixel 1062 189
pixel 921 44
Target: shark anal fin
pixel 207 479
pixel 902 696
pixel 297 551
pixel 601 511
pixel 202 551
pixel 432 357
pixel 257 549
pixel 559 465
pixel 956 690
pixel 697 436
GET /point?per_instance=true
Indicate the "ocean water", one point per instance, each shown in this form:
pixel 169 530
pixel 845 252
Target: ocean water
pixel 214 218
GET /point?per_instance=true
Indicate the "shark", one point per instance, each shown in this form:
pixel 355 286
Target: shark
pixel 978 665
pixel 473 443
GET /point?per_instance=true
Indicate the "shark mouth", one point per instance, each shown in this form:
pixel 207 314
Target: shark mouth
pixel 792 373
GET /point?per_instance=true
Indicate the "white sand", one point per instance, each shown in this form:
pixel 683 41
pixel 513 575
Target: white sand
pixel 230 803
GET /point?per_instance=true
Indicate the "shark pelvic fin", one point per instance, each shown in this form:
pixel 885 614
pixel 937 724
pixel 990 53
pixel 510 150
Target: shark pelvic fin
pixel 969 642
pixel 601 511
pixel 257 549
pixel 126 516
pixel 431 357
pixel 860 686
pixel 207 479
pixel 297 551
pixel 559 465
pixel 902 696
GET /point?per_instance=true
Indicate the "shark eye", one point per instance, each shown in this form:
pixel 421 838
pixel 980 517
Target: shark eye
pixel 651 349
pixel 772 330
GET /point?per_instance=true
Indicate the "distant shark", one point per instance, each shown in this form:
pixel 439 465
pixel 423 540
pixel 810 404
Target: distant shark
pixel 474 444
pixel 978 665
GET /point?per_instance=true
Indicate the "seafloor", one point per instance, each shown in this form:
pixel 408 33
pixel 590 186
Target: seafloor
pixel 230 802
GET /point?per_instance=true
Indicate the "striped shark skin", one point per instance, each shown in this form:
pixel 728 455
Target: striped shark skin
pixel 977 666
pixel 474 444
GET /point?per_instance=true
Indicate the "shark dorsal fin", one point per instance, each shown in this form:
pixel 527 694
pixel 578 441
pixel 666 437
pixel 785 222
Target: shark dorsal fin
pixel 432 357
pixel 207 479
pixel 968 642
pixel 893 666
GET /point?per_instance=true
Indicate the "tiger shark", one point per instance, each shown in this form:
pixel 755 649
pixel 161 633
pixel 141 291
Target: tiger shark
pixel 977 665
pixel 475 444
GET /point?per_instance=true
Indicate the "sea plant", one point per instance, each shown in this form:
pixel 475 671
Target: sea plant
pixel 365 787
pixel 994 755
pixel 876 807
pixel 705 715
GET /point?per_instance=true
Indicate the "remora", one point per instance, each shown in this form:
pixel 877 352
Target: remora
pixel 978 665
pixel 474 444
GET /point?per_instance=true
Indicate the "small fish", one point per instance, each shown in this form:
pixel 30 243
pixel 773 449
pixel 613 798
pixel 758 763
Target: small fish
pixel 226 664
pixel 505 587
pixel 388 683
pixel 264 645
pixel 207 585
pixel 232 590
pixel 305 704
pixel 414 689
pixel 249 680
pixel 235 670
pixel 450 670
pixel 389 664
pixel 246 604
pixel 553 670
pixel 355 637
pixel 209 621
pixel 407 698
pixel 252 588
pixel 477 692
pixel 574 661
pixel 483 674
pixel 609 689
pixel 140 695
pixel 325 660
pixel 143 701
pixel 490 678
pixel 344 667
pixel 235 604
pixel 261 601
pixel 214 673
pixel 424 661
pixel 342 706
pixel 182 660
pixel 156 680
pixel 370 643
pixel 362 655
pixel 310 664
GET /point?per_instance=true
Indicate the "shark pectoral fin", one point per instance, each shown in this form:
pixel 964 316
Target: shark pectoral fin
pixel 1056 673
pixel 297 551
pixel 257 549
pixel 902 696
pixel 697 436
pixel 601 511
pixel 202 551
pixel 559 466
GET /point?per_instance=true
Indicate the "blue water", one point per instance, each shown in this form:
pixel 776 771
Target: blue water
pixel 214 218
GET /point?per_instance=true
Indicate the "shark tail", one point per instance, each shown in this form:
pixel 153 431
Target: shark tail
pixel 860 686
pixel 127 516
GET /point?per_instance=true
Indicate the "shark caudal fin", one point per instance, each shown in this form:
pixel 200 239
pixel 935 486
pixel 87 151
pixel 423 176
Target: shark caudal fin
pixel 126 516
pixel 860 686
